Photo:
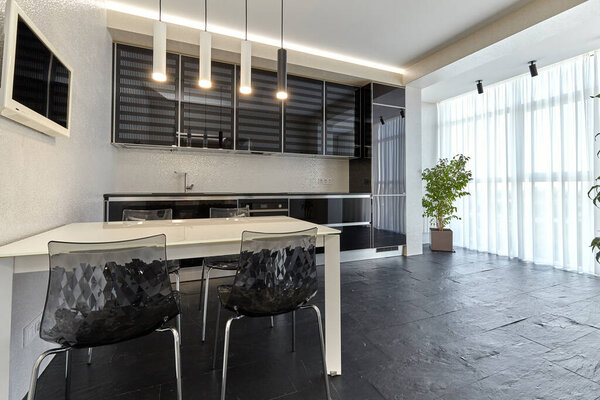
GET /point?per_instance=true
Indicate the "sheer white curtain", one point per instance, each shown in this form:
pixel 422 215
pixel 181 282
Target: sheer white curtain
pixel 531 143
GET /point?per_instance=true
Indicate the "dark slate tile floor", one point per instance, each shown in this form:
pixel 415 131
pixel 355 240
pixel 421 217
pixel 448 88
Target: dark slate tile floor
pixel 437 326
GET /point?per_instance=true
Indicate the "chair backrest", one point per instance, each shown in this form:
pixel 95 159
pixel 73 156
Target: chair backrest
pixel 276 273
pixel 103 293
pixel 147 215
pixel 229 212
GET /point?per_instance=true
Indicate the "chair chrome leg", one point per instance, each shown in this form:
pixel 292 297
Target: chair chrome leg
pixel 293 331
pixel 214 365
pixel 201 288
pixel 36 369
pixel 178 320
pixel 177 349
pixel 322 341
pixel 89 360
pixel 68 363
pixel 272 321
pixel 206 282
pixel 226 355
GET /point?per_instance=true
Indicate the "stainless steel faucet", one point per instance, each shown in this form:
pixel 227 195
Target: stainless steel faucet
pixel 186 187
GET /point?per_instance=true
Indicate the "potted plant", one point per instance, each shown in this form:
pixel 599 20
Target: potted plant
pixel 445 183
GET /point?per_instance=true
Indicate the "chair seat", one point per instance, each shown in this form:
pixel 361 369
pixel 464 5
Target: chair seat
pixel 226 263
pixel 110 326
pixel 173 266
pixel 249 307
pixel 224 291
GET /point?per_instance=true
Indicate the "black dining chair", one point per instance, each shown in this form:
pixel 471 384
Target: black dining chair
pixel 173 265
pixel 277 274
pixel 223 263
pixel 106 293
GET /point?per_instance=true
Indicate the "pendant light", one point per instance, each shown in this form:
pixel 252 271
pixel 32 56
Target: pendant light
pixel 205 56
pixel 282 66
pixel 246 61
pixel 159 54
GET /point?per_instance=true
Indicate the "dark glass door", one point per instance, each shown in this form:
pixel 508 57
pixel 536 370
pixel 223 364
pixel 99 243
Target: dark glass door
pixel 146 112
pixel 259 115
pixel 206 114
pixel 342 119
pixel 303 117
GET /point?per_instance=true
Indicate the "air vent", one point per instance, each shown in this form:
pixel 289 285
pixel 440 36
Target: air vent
pixel 388 248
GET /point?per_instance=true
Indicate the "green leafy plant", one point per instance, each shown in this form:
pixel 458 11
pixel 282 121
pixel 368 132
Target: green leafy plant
pixel 594 195
pixel 445 183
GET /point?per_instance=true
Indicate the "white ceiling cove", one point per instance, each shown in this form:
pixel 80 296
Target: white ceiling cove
pixel 390 32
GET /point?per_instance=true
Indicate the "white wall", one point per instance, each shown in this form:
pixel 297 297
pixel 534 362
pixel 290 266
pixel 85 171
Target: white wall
pixel 46 182
pixel 429 150
pixel 153 171
pixel 54 181
pixel 414 221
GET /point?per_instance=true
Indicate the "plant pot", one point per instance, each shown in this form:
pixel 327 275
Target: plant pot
pixel 441 240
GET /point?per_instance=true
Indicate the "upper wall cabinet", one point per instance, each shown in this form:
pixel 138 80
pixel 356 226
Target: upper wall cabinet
pixel 206 114
pixel 318 118
pixel 145 112
pixel 259 115
pixel 303 117
pixel 342 111
pixel 389 95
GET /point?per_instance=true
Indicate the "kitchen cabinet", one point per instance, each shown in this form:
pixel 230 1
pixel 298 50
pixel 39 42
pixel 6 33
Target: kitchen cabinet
pixel 259 122
pixel 303 116
pixel 342 120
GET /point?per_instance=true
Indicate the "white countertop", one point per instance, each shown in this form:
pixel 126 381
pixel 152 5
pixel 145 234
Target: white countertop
pixel 178 232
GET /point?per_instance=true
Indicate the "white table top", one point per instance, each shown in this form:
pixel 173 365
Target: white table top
pixel 179 232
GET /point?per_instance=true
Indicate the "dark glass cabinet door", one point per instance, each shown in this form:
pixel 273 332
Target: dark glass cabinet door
pixel 181 209
pixel 259 115
pixel 303 117
pixel 389 159
pixel 389 95
pixel 146 112
pixel 331 210
pixel 206 114
pixel 342 118
pixel 389 227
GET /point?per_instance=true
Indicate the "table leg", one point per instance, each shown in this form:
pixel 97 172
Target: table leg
pixel 6 280
pixel 333 305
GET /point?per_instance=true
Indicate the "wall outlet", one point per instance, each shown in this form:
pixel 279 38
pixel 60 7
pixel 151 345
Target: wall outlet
pixel 32 330
pixel 324 181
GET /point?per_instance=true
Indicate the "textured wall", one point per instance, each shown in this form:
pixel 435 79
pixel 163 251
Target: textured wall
pixel 153 171
pixel 429 151
pixel 46 182
pixel 414 221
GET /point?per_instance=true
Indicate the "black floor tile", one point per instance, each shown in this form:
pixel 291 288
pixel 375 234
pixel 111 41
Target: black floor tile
pixel 462 326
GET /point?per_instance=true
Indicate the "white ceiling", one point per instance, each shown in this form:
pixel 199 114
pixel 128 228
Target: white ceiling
pixel 390 32
pixel 569 34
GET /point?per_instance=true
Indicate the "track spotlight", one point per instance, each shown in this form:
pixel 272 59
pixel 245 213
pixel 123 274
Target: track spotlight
pixel 381 120
pixel 533 69
pixel 480 87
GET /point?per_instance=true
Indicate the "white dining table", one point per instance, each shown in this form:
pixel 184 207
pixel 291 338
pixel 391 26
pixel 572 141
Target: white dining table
pixel 187 238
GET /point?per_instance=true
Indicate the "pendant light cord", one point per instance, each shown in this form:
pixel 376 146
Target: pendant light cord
pixel 205 16
pixel 246 36
pixel 160 10
pixel 282 24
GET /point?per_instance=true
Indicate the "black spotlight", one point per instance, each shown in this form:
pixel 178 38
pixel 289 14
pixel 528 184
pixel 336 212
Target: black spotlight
pixel 381 120
pixel 533 69
pixel 480 87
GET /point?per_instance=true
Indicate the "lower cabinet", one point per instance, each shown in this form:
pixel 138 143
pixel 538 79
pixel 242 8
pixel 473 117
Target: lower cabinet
pixel 351 215
pixel 388 221
pixel 183 209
